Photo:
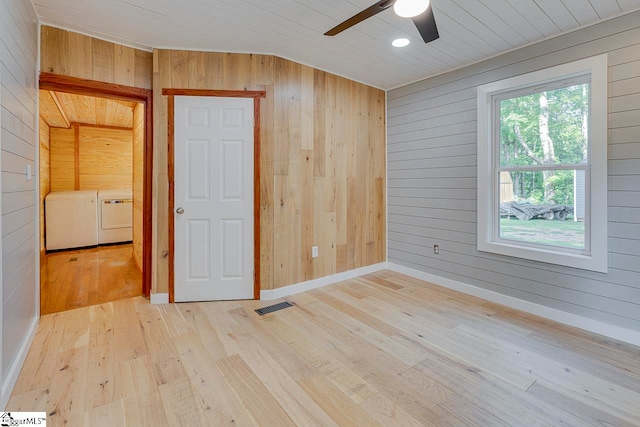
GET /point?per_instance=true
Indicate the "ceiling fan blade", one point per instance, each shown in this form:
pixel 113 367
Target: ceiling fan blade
pixel 426 25
pixel 367 13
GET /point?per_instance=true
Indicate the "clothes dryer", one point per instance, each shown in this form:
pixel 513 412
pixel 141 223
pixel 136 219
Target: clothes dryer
pixel 115 215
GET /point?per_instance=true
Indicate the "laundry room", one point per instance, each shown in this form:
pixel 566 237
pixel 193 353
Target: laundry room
pixel 91 207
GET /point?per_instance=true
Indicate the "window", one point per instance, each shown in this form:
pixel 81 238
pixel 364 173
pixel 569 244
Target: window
pixel 542 165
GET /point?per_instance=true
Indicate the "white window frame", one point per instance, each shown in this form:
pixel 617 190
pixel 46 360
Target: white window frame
pixel 595 255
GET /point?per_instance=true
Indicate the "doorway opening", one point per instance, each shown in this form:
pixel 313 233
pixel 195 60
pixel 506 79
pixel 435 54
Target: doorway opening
pixel 95 192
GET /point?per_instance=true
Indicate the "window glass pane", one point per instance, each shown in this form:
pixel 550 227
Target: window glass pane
pixel 545 128
pixel 543 207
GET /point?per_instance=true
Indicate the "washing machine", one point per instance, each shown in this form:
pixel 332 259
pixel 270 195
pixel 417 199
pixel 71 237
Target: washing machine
pixel 71 219
pixel 115 215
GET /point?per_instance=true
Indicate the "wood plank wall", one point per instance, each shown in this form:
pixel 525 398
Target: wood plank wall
pixel 62 159
pixel 432 179
pixel 76 55
pixel 105 158
pixel 90 157
pixel 322 162
pixel 323 151
pixel 45 181
pixel 138 177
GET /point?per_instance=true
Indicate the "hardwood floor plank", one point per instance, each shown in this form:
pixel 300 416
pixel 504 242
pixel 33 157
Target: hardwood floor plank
pixel 343 378
pixel 381 349
pixel 577 385
pixel 388 413
pixel 277 347
pixel 76 329
pixel 198 323
pixel 625 375
pixel 101 380
pixel 342 409
pixel 214 394
pixel 26 401
pixel 411 306
pixel 164 357
pixel 107 415
pixel 385 373
pixel 498 323
pixel 502 400
pixel 337 310
pixel 127 331
pixel 43 355
pixel 251 391
pixel 174 320
pixel 225 325
pixel 181 404
pixel 586 413
pixel 82 277
pixel 556 375
pixel 140 393
pixel 602 349
pixel 463 347
pixel 67 391
pixel 437 297
pixel 296 403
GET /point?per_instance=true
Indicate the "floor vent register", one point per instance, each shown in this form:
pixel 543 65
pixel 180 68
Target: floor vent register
pixel 271 308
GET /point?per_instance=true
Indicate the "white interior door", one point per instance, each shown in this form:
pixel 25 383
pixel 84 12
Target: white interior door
pixel 213 198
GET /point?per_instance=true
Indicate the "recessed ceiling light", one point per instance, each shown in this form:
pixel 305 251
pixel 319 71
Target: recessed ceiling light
pixel 410 8
pixel 400 42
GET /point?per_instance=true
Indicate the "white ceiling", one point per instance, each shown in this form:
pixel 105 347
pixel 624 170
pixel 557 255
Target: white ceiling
pixel 470 30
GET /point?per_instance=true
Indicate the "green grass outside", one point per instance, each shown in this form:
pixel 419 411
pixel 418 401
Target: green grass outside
pixel 567 233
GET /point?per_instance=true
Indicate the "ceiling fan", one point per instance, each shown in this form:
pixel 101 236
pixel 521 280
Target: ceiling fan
pixel 419 11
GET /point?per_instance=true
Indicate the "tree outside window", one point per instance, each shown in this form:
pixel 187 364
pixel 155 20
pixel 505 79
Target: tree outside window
pixel 545 129
pixel 542 165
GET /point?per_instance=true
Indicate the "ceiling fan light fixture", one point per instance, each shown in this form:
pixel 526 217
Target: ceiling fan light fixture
pixel 410 8
pixel 400 42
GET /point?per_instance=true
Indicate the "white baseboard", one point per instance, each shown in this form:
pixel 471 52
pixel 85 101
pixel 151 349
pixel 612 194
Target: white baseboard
pixel 160 298
pixel 16 366
pixel 318 283
pixel 616 332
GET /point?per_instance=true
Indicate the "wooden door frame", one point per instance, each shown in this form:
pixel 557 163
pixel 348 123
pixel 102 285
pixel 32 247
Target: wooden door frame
pixel 80 86
pixel 256 95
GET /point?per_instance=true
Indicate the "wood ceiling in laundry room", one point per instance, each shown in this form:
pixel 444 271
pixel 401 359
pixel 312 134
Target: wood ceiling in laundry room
pixel 59 109
pixel 470 30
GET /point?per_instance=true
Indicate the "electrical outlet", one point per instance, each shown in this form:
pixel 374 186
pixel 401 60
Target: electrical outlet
pixel 314 252
pixel 436 249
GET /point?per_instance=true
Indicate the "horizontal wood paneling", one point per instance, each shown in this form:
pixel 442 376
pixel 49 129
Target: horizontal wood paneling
pixel 18 139
pixel 71 54
pixel 105 158
pixel 432 174
pixel 322 162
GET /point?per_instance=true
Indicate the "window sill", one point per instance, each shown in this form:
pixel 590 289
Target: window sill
pixel 596 261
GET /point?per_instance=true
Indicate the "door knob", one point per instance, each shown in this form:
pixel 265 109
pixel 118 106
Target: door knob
pixel 180 211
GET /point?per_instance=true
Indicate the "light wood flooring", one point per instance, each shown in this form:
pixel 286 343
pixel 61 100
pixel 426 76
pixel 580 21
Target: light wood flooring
pixel 83 277
pixel 380 350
